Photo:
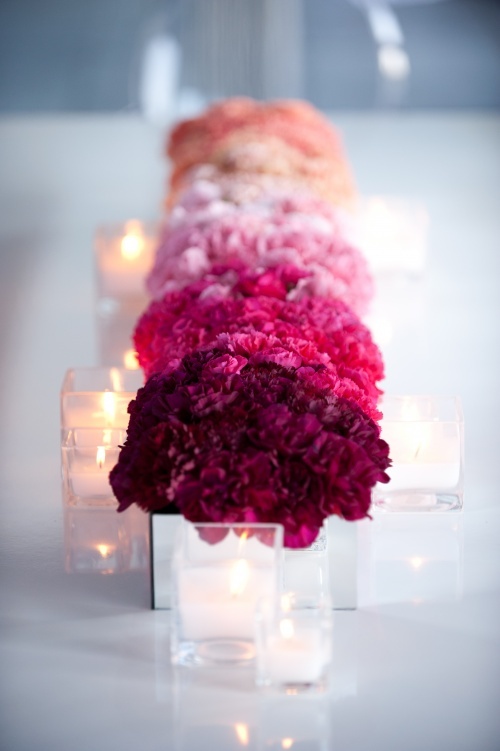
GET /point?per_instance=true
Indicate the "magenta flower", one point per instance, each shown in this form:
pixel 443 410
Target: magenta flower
pixel 227 437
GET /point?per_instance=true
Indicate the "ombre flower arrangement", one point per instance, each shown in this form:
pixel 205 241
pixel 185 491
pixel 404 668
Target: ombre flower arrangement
pixel 253 303
pixel 298 231
pixel 227 437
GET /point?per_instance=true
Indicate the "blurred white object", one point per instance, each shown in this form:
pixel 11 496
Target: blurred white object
pixel 159 79
pixel 393 232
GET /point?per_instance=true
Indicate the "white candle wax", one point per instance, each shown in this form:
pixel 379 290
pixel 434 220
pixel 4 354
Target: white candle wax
pixel 296 658
pixel 90 484
pixel 424 476
pixel 425 454
pixel 209 610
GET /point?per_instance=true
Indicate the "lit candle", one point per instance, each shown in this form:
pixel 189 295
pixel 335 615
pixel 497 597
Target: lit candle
pixel 425 452
pixel 295 654
pixel 98 397
pixel 92 481
pixel 124 258
pixel 219 601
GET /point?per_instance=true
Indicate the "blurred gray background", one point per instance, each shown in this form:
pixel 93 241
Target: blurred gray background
pixel 115 55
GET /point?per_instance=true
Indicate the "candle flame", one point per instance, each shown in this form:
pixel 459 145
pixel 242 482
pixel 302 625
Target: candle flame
pixel 104 550
pixel 109 406
pixel 286 628
pixel 130 360
pixel 242 733
pixel 286 602
pixel 132 242
pixel 100 457
pixel 116 379
pixel 239 577
pixel 416 562
pixel 287 743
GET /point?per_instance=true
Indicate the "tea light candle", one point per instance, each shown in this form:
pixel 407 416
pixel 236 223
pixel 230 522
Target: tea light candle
pixel 124 258
pixel 295 654
pixel 293 642
pixel 98 397
pixel 92 481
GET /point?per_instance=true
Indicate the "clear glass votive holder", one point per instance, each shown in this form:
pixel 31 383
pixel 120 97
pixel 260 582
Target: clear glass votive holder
pixel 87 457
pixel 306 570
pixel 393 233
pixel 219 572
pixel 98 397
pixel 293 636
pixel 426 439
pixel 124 255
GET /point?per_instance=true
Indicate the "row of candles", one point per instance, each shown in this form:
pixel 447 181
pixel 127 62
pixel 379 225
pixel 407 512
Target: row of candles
pixel 425 434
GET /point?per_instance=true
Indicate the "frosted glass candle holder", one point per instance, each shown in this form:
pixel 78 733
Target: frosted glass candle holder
pixel 392 233
pixel 219 572
pixel 294 643
pixel 87 457
pixel 98 397
pixel 124 255
pixel 426 439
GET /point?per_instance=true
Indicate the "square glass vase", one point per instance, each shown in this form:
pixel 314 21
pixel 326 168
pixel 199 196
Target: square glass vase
pixel 426 439
pixel 219 573
pixel 98 397
pixel 87 457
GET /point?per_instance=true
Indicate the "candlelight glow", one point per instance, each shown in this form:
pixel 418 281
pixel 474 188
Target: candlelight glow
pixel 100 456
pixel 130 360
pixel 106 437
pixel 109 406
pixel 116 379
pixel 242 733
pixel 286 628
pixel 239 577
pixel 104 550
pixel 286 602
pixel 287 743
pixel 132 242
pixel 416 562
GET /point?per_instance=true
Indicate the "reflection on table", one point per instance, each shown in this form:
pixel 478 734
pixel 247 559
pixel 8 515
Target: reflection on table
pixel 102 541
pixel 411 558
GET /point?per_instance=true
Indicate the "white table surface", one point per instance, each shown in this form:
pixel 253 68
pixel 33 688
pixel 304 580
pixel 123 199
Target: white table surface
pixel 84 662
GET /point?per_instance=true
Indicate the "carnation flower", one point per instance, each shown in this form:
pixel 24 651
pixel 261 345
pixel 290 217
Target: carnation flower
pixel 297 231
pixel 242 301
pixel 232 438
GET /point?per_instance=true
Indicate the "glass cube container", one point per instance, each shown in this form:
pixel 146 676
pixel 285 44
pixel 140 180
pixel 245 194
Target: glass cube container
pixel 87 457
pixel 98 397
pixel 426 439
pixel 219 573
pixel 124 255
pixel 294 643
